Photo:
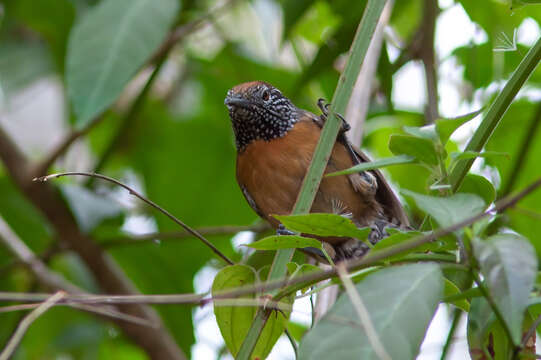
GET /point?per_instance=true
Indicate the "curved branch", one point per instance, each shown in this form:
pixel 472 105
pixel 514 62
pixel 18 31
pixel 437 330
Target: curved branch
pixel 144 199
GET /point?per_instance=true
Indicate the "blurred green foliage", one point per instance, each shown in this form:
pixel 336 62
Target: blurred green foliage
pixel 178 147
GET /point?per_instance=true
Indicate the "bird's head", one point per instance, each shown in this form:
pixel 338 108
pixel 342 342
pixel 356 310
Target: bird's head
pixel 259 111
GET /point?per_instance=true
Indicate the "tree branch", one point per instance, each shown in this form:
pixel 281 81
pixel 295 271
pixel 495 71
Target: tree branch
pixel 157 343
pixel 293 284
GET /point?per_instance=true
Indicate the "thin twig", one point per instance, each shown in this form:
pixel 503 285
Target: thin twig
pixel 25 324
pixel 297 282
pixel 362 313
pixel 144 199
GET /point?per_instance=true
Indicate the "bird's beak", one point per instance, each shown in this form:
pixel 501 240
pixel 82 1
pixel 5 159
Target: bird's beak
pixel 236 101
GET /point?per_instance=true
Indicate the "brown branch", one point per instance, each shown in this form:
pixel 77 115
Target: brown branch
pixel 177 235
pixel 144 199
pixel 157 343
pixel 293 284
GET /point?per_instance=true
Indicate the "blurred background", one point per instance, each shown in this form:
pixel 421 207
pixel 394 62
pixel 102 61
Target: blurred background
pixel 167 134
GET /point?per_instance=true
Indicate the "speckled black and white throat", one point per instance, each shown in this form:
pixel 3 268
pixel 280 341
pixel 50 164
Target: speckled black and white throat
pixel 260 112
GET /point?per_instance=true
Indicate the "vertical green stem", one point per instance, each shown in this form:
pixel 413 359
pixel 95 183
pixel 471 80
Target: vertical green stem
pixel 496 112
pixel 322 153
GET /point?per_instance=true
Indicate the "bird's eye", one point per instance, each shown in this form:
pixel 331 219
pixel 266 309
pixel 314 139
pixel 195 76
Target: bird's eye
pixel 266 95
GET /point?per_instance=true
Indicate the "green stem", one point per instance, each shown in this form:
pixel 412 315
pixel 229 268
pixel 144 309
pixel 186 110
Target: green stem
pixel 495 308
pixel 454 325
pixel 496 112
pixel 322 153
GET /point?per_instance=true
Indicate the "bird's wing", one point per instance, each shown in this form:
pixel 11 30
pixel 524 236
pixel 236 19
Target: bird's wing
pixel 384 194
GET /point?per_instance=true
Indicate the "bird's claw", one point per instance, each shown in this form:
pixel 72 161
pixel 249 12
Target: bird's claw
pixel 324 107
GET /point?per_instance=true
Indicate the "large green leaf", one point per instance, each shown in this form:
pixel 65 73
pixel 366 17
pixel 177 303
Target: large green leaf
pixel 323 225
pixel 108 46
pixel 276 242
pixel 234 321
pixel 449 210
pixel 401 302
pixel 509 266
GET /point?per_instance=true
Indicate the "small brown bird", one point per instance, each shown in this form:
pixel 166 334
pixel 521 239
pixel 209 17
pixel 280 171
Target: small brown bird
pixel 275 141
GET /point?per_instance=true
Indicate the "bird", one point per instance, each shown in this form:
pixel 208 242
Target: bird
pixel 275 141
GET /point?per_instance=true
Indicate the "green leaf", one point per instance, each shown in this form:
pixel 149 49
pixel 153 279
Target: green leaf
pixel 446 127
pixel 480 319
pixel 88 208
pixel 234 321
pixel 509 266
pixel 420 148
pixel 376 164
pixel 449 210
pixel 323 225
pixel 297 330
pixel 401 301
pixel 474 154
pixel 107 48
pixel 276 242
pixel 425 132
pixel 479 185
pixel 451 289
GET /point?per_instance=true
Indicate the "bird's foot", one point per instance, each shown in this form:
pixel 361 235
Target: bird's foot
pixel 282 230
pixel 351 249
pixel 324 107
